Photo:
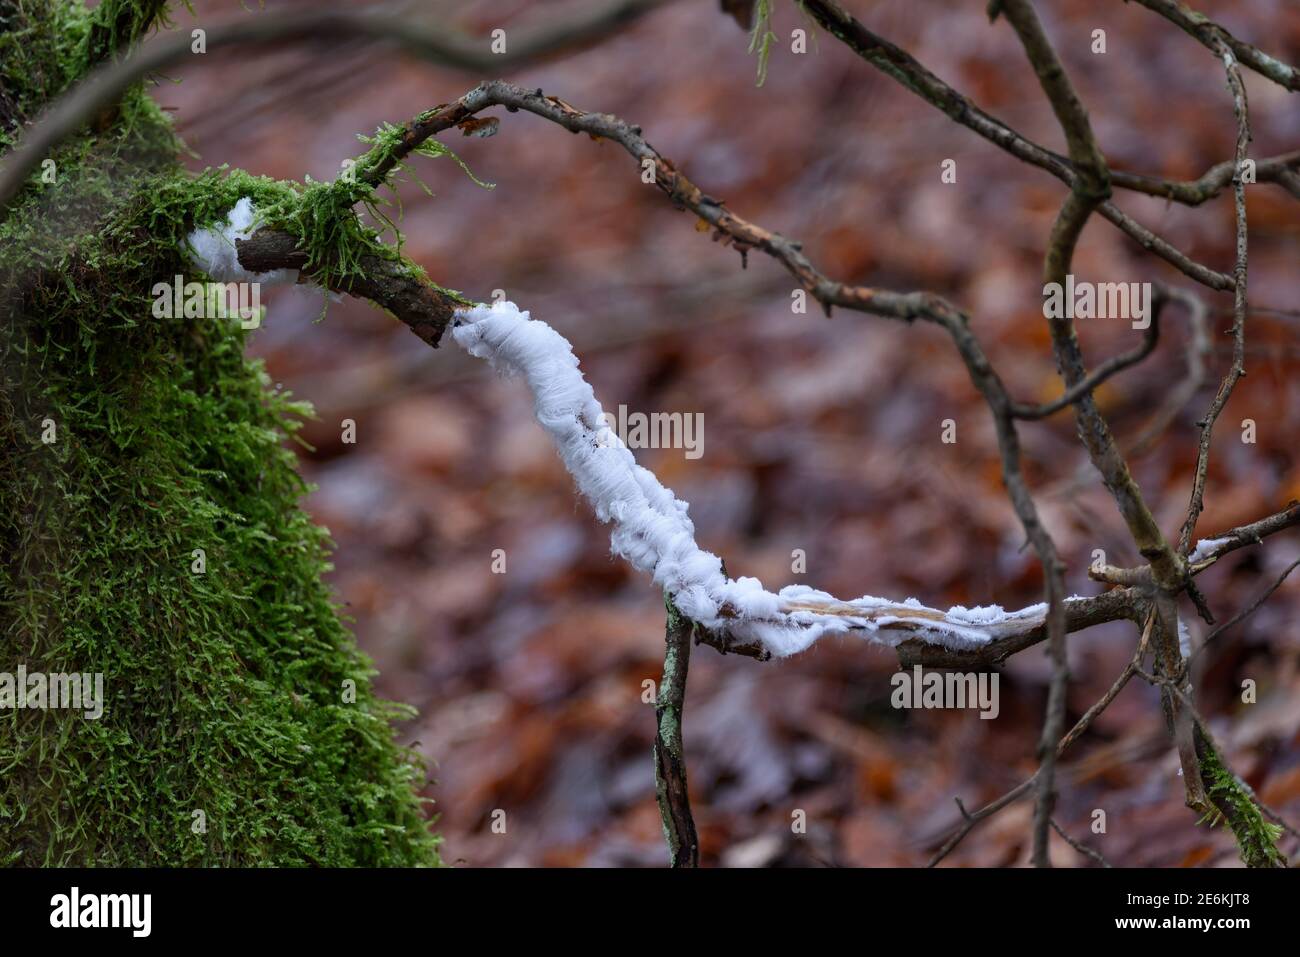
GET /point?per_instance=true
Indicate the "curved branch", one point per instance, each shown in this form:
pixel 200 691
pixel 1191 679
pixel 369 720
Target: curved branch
pixel 1101 373
pixel 106 84
pixel 1250 609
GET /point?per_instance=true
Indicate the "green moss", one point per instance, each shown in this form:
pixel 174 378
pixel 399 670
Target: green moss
pixel 761 37
pixel 42 49
pixel 229 692
pixel 1256 837
pixel 117 25
pixel 321 216
pixel 388 137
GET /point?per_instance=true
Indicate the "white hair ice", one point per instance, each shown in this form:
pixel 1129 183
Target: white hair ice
pixel 651 528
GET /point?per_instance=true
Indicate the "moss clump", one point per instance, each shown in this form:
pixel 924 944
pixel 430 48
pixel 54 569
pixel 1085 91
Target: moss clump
pixel 321 215
pixel 238 726
pixel 1256 838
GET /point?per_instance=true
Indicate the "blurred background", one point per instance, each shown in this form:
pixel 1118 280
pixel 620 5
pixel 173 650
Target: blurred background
pixel 820 435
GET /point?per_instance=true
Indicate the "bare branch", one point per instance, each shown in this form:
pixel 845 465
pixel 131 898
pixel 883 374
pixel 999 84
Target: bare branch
pixel 1275 169
pixel 1085 196
pixel 739 233
pixel 1082 848
pixel 105 85
pixel 1214 37
pixel 1139 577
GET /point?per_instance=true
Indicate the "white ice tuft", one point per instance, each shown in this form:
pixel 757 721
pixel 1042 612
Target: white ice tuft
pixel 1206 547
pixel 213 250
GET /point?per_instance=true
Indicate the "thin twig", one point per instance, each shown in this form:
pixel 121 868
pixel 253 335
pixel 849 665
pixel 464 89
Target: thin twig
pixel 1083 849
pixel 1250 609
pixel 1239 304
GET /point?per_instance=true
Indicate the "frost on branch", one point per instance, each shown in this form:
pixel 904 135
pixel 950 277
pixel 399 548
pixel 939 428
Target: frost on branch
pixel 213 249
pixel 1206 547
pixel 653 531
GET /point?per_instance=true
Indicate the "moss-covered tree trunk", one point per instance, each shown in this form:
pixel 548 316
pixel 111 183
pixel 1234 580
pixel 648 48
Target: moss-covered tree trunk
pixel 150 525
